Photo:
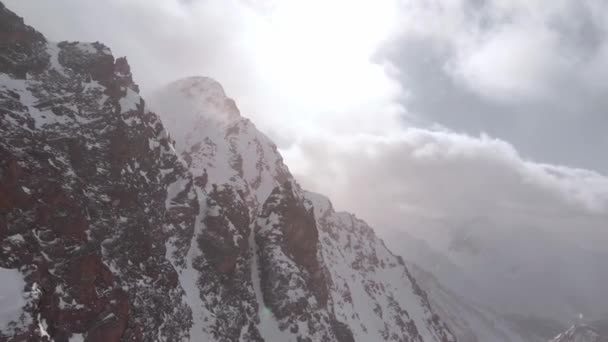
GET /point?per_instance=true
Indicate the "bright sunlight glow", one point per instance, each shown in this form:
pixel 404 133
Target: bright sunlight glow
pixel 317 55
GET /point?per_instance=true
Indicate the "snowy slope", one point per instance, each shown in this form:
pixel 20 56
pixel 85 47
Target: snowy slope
pixel 217 141
pixel 580 333
pixel 235 168
pixel 372 290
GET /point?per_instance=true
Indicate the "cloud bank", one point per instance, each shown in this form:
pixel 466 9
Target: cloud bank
pixel 529 72
pixel 422 175
pixel 518 236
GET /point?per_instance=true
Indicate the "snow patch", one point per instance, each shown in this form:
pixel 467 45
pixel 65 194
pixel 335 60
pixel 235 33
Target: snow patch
pixel 41 117
pixel 173 190
pixel 77 338
pixel 53 50
pixel 320 203
pixel 130 101
pixel 12 298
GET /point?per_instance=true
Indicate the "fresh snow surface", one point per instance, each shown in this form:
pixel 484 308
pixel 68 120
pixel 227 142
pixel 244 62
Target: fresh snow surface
pixel 346 240
pixel 173 190
pixel 205 124
pixel 53 50
pixel 12 298
pixel 130 101
pixel 77 338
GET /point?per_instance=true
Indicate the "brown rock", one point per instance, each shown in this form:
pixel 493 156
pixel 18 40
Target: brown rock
pixel 112 325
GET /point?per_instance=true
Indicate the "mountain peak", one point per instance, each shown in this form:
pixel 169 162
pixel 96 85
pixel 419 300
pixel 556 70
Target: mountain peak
pixel 216 141
pixel 205 95
pixel 191 105
pixel 195 86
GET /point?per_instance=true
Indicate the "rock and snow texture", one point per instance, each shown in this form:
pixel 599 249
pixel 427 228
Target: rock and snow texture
pixel 580 333
pixel 372 291
pixel 220 146
pixel 84 175
pixel 114 229
pixel 235 167
pixel 282 270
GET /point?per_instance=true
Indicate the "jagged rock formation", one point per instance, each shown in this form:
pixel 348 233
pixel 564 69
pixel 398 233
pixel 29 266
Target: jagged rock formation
pixel 123 231
pixel 84 169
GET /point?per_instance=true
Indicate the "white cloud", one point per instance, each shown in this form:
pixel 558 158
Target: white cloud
pixel 509 50
pixel 511 63
pixel 500 230
pixel 447 177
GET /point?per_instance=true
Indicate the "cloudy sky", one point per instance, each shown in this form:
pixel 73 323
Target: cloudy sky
pixel 404 112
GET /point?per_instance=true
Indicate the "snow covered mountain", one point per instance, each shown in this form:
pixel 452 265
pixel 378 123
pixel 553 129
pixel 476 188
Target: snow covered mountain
pixel 309 271
pixel 580 333
pixel 113 228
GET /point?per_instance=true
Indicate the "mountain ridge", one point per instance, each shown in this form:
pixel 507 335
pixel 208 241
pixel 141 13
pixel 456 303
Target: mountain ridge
pixel 294 213
pixel 124 230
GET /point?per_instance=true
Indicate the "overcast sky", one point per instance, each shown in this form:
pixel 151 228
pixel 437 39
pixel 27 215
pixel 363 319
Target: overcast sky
pixel 401 111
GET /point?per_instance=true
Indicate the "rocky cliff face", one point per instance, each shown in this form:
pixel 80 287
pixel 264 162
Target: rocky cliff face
pixel 84 174
pixel 119 230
